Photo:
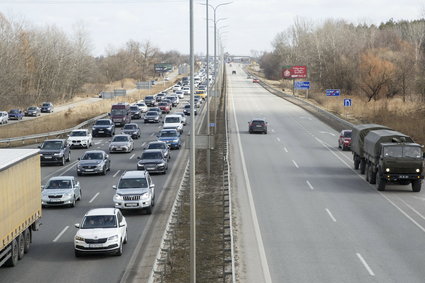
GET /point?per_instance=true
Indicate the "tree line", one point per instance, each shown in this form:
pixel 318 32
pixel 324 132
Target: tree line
pixel 366 60
pixel 46 64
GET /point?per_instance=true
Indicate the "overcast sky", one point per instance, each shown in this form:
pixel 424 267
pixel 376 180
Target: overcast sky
pixel 245 24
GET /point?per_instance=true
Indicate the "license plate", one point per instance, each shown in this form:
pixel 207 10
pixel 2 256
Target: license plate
pixel 150 168
pixel 258 126
pixel 131 204
pixel 47 157
pixel 403 177
pixel 101 131
pixel 95 245
pixel 54 200
pixel 89 170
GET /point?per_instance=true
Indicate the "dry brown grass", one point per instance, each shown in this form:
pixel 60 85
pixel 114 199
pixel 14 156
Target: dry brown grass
pixel 73 116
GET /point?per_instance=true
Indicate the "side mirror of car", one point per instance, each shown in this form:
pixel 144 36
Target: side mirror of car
pixel 139 157
pixel 423 155
pixel 39 146
pixel 122 224
pixel 109 114
pixel 79 158
pixel 77 225
pixel 114 187
pixel 152 186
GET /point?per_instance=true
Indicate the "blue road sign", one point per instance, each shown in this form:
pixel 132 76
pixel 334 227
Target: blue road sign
pixel 333 92
pixel 302 85
pixel 347 102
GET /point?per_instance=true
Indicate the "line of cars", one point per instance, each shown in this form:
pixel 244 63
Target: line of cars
pixel 19 114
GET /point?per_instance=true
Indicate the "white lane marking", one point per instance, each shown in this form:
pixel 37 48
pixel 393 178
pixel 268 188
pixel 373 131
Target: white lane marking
pixel 263 258
pixel 152 134
pixel 330 215
pixel 323 132
pixel 132 156
pixel 411 207
pixel 143 144
pixel 365 264
pixel 61 233
pixel 285 149
pixel 309 185
pixel 116 173
pixel 383 195
pixel 295 163
pixel 273 131
pixel 278 139
pixel 96 143
pixel 422 199
pixel 95 196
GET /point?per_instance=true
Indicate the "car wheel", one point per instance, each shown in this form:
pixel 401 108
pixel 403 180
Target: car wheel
pixel 73 202
pixel 119 250
pixel 126 237
pixel 77 253
pixel 69 157
pixel 62 162
pixel 104 170
pixel 79 174
pixel 81 195
pixel 149 210
pixel 265 132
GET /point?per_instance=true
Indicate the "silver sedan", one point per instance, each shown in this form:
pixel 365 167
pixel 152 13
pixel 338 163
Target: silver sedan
pixel 121 143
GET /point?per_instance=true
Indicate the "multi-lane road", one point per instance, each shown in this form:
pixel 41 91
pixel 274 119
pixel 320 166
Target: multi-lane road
pixel 51 258
pixel 304 214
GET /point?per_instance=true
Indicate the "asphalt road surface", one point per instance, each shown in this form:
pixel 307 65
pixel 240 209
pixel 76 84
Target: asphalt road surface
pixel 304 214
pixel 51 257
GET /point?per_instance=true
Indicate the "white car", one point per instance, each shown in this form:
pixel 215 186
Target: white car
pixel 4 117
pixel 183 117
pixel 61 191
pixel 176 88
pixel 173 122
pixel 186 90
pixel 180 94
pixel 103 230
pixel 80 138
pixel 143 107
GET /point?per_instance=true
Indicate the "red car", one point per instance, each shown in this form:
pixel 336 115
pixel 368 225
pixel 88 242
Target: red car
pixel 165 107
pixel 255 80
pixel 344 140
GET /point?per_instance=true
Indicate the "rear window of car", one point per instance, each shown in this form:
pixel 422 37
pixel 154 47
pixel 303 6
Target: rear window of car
pixel 347 134
pixel 258 123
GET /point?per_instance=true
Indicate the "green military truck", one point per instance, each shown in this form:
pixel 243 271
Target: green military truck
pixel 392 158
pixel 357 140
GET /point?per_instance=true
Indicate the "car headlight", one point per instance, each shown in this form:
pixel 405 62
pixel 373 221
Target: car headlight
pixel 176 141
pixel 162 164
pixel 99 166
pixel 145 196
pixel 418 170
pixel 118 197
pixel 113 238
pixel 141 165
pixel 387 170
pixel 68 195
pixel 79 238
pixel 78 166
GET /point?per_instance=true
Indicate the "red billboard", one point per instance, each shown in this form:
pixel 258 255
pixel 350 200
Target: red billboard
pixel 294 72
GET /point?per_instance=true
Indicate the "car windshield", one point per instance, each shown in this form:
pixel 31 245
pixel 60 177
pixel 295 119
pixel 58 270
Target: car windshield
pixel 78 134
pixel 141 104
pixel 58 184
pixel 32 108
pixel 187 106
pixel 131 183
pixel 120 139
pixel 102 122
pixel 347 134
pixel 14 111
pixel 172 120
pixel 157 146
pixel 46 104
pixel 92 156
pixel 129 127
pixel 168 134
pixel 99 221
pixel 134 108
pixel 52 145
pixel 258 123
pixel 152 113
pixel 151 155
pixel 163 104
pixel 118 112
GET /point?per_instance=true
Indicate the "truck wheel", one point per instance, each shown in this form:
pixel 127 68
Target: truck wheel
pixel 367 172
pixel 21 246
pixel 27 240
pixel 362 166
pixel 380 183
pixel 372 176
pixel 356 163
pixel 416 185
pixel 13 260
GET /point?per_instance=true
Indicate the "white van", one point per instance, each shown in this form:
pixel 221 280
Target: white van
pixel 173 121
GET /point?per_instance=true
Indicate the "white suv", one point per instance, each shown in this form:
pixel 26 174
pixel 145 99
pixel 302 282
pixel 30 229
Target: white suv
pixel 103 230
pixel 80 138
pixel 4 117
pixel 135 190
pixel 173 121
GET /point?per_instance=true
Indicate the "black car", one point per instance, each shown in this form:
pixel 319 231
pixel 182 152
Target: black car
pixel 103 127
pixel 160 145
pixel 152 117
pixel 132 129
pixel 32 111
pixel 257 125
pixel 150 101
pixel 153 161
pixel 47 107
pixel 135 111
pixel 54 151
pixel 186 110
pixel 94 162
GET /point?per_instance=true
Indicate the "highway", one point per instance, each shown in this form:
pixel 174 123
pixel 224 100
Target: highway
pixel 303 213
pixel 51 257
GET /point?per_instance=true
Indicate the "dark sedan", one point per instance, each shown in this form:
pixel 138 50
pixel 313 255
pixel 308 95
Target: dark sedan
pixel 94 162
pixel 47 107
pixel 257 126
pixel 33 111
pixel 162 146
pixel 131 129
pixel 153 161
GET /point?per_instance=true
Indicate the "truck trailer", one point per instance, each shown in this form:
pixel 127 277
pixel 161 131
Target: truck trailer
pixel 358 134
pixel 392 158
pixel 20 202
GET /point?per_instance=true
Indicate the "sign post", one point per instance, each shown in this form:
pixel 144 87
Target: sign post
pixel 303 85
pixel 294 72
pixel 333 92
pixel 347 103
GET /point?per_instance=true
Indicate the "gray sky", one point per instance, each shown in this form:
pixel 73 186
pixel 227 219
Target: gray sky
pixel 247 24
